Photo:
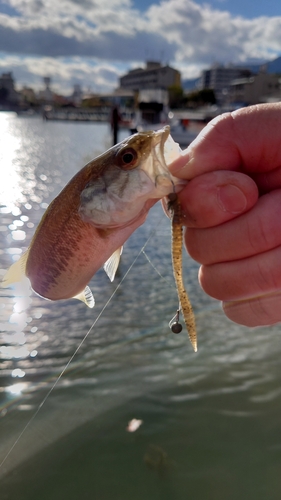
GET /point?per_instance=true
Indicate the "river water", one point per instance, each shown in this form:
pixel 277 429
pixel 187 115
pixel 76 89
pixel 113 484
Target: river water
pixel 211 424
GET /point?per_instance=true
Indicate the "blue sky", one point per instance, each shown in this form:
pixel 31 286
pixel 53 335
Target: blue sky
pixel 94 42
pixel 246 8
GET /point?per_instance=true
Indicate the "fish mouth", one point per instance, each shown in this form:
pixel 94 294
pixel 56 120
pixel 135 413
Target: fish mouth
pixel 164 151
pixel 160 143
pixel 119 197
pixel 161 136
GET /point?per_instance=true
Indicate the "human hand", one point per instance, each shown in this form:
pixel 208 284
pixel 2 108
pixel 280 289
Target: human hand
pixel 232 208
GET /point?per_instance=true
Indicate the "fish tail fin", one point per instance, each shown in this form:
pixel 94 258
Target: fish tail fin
pixel 87 297
pixel 16 272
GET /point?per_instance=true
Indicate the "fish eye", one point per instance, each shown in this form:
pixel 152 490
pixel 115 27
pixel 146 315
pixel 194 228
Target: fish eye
pixel 127 158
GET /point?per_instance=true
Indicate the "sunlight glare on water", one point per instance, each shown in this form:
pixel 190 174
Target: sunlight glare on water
pixel 10 171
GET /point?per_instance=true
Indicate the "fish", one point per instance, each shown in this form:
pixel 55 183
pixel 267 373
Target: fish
pixel 85 226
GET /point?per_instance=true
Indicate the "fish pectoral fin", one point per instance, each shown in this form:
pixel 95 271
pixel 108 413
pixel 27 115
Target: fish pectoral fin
pixel 111 265
pixel 86 296
pixel 16 272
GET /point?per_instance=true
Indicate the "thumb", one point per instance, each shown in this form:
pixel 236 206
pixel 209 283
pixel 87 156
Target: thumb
pixel 247 140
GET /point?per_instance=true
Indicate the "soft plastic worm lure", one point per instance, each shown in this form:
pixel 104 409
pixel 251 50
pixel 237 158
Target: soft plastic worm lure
pixel 184 302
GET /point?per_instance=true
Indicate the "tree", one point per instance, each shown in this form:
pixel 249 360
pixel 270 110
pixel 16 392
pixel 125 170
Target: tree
pixel 175 96
pixel 200 98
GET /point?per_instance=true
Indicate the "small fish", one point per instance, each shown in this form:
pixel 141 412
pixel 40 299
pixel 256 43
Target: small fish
pixel 86 225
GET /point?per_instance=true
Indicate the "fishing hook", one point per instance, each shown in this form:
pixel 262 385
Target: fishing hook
pixel 174 324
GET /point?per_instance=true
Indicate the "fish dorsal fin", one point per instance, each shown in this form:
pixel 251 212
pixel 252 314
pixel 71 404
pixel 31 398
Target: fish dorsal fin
pixel 87 297
pixel 111 265
pixel 16 272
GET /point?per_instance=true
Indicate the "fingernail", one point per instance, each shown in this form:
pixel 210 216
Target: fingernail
pixel 231 199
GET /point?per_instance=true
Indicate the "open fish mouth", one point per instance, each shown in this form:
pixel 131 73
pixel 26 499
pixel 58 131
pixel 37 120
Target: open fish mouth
pixel 166 148
pixel 164 152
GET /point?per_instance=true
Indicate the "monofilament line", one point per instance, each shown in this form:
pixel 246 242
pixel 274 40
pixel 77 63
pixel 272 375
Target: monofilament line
pixel 169 282
pixel 75 352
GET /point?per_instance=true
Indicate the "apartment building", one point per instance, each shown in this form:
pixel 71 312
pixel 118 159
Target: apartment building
pixel 153 76
pixel 263 87
pixel 219 77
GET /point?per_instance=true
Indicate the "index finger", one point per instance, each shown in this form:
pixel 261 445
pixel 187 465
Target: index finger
pixel 247 140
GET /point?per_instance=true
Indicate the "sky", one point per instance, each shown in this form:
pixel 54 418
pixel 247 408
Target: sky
pixel 94 42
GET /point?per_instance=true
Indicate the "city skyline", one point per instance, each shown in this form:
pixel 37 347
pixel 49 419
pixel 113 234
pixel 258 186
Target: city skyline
pixel 93 44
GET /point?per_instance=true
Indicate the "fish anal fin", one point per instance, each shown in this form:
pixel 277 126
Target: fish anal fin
pixel 111 265
pixel 16 272
pixel 87 297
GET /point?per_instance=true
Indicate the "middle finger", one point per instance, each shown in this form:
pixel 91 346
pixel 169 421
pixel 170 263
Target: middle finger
pixel 254 232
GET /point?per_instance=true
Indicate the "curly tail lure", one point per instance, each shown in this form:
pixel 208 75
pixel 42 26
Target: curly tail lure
pixel 184 302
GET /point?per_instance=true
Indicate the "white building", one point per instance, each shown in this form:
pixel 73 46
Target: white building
pixel 153 76
pixel 46 95
pixel 77 94
pixel 255 89
pixel 219 77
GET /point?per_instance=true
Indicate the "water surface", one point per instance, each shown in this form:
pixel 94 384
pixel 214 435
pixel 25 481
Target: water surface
pixel 211 420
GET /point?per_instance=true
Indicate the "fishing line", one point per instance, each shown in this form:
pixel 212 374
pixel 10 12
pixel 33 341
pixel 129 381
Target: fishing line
pixel 170 283
pixel 174 324
pixel 153 232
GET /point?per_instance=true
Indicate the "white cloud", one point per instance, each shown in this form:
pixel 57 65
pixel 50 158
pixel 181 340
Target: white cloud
pixel 203 34
pixel 86 40
pixel 30 71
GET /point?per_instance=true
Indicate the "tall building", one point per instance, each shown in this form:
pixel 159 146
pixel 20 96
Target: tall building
pixel 77 94
pixel 46 95
pixel 219 77
pixel 153 76
pixel 8 95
